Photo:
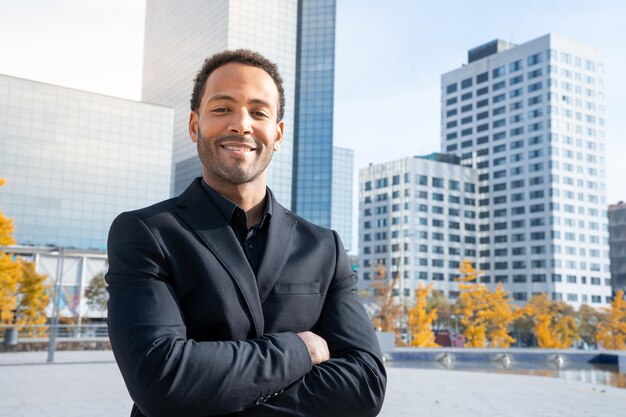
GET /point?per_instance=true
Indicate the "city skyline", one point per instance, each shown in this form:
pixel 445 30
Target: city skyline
pixel 97 46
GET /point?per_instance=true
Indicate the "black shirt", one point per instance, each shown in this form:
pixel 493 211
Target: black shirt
pixel 253 240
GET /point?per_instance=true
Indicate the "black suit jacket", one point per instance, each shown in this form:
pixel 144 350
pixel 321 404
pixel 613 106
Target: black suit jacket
pixel 195 333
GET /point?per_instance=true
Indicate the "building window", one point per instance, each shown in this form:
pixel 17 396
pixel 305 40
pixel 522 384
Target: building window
pixel 498 72
pixel 452 88
pixel 515 66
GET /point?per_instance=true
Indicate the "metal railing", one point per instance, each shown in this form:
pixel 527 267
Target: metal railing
pixel 65 332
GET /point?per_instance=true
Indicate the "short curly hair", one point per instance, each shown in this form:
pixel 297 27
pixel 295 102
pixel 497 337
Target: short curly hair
pixel 241 56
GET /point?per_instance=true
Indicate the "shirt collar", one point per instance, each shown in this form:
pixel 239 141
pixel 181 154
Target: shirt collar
pixel 228 208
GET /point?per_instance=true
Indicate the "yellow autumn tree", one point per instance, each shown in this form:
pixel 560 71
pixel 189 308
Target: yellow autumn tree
pixel 500 316
pixel 554 324
pixel 9 270
pixel 612 327
pixel 389 312
pixel 472 306
pixel 32 298
pixel 23 296
pixel 421 319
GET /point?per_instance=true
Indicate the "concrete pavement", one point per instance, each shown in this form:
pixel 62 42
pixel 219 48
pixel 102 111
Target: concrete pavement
pixel 89 384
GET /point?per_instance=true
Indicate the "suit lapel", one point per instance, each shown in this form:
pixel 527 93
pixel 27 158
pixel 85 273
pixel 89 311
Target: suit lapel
pixel 196 209
pixel 277 250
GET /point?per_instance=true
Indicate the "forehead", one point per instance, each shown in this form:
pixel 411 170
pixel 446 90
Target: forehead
pixel 236 78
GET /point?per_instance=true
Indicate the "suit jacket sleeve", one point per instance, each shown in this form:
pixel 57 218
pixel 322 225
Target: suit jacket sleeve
pixel 167 374
pixel 353 381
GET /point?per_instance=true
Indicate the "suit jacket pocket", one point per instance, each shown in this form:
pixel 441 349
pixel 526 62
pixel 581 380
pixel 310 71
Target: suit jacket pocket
pixel 297 288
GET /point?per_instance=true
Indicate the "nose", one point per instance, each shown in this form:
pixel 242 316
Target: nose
pixel 240 123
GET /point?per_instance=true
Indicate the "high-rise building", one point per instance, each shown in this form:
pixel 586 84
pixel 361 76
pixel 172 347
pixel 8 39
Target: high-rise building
pixel 342 193
pixel 314 161
pixel 299 36
pixel 530 119
pixel 74 160
pixel 179 37
pixel 617 243
pixel 418 221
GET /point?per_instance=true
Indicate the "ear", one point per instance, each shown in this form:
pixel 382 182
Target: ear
pixel 278 139
pixel 193 126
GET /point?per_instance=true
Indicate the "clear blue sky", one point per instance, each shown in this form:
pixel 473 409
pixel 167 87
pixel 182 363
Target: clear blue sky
pixel 390 56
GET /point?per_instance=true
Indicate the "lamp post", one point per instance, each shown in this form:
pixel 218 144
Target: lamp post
pixel 54 323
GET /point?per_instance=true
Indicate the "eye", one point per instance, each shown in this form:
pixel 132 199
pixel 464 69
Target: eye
pixel 220 110
pixel 259 113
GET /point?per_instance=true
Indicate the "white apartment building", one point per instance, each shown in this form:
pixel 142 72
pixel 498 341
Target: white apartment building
pixel 418 218
pixel 530 119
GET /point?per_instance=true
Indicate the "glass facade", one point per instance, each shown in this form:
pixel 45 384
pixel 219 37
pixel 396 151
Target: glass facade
pixel 343 172
pixel 74 160
pixel 178 39
pixel 300 37
pixel 314 111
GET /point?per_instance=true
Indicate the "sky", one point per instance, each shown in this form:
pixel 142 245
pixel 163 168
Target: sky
pixel 389 58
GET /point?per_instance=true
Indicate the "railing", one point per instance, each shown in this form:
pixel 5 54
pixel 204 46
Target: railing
pixel 65 332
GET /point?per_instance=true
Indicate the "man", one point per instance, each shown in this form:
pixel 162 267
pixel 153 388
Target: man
pixel 222 302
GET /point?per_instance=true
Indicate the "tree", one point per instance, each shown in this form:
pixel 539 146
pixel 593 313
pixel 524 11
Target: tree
pixel 588 318
pixel 612 327
pixel 554 324
pixel 389 312
pixel 440 302
pixel 32 298
pixel 472 306
pixel 96 293
pixel 500 315
pixel 421 319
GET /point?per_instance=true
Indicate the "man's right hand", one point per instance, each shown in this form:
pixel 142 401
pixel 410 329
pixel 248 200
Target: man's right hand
pixel 318 349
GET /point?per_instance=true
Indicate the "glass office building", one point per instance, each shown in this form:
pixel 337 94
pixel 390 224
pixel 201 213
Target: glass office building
pixel 314 163
pixel 300 37
pixel 179 37
pixel 530 119
pixel 73 160
pixel 342 193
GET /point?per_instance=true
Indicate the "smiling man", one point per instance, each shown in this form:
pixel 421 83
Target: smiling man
pixel 223 302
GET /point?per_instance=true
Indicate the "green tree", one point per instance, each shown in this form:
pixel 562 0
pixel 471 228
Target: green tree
pixel 96 293
pixel 588 318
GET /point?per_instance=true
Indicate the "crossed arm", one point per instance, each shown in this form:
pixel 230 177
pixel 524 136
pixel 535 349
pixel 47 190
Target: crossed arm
pixel 336 371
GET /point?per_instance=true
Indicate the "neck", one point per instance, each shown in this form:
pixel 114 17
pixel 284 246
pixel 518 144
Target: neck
pixel 250 196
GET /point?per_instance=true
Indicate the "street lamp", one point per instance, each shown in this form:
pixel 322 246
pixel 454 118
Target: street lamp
pixel 54 324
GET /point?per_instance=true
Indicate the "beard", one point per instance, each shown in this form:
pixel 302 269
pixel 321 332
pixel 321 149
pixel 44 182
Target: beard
pixel 232 170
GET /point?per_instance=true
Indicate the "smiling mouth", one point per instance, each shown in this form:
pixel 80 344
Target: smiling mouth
pixel 238 147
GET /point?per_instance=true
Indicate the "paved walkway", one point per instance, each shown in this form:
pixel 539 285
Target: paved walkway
pixel 89 384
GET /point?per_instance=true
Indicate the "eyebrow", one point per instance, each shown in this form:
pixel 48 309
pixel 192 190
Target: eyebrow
pixel 226 97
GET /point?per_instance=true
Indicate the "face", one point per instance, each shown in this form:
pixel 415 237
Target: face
pixel 235 127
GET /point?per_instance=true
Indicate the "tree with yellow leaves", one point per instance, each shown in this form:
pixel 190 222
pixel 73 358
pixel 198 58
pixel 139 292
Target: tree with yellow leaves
pixel 421 319
pixel 554 324
pixel 500 317
pixel 472 306
pixel 23 296
pixel 612 328
pixel 32 297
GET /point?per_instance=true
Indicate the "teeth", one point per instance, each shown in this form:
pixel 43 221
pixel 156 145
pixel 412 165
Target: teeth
pixel 237 148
